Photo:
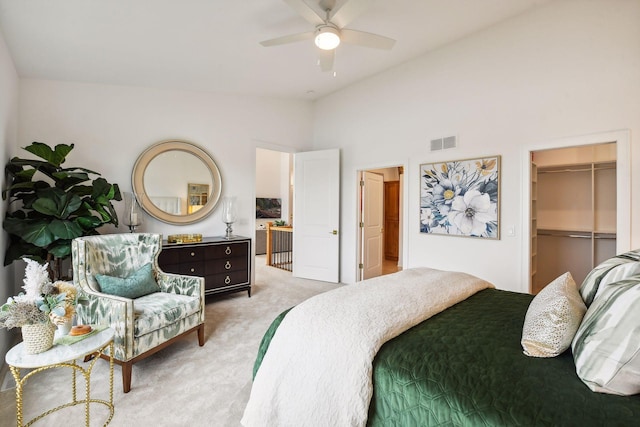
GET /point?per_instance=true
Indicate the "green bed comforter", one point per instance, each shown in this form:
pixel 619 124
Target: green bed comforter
pixel 465 367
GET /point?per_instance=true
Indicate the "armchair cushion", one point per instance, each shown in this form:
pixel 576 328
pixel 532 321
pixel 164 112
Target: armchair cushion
pixel 158 310
pixel 139 283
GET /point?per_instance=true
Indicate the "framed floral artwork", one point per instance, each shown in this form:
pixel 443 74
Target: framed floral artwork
pixel 461 198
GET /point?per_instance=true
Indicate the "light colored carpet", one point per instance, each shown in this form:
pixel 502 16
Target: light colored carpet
pixel 182 385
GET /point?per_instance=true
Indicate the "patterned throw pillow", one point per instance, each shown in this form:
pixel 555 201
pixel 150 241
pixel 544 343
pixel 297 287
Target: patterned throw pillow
pixel 610 271
pixel 553 318
pixel 138 284
pixel 606 348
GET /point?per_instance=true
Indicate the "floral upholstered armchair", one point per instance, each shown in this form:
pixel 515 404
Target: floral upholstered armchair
pixel 126 290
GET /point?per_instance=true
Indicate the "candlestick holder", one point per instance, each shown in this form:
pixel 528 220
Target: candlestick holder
pixel 132 212
pixel 229 214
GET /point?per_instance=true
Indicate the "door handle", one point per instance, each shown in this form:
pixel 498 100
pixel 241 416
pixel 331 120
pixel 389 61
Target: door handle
pixel 334 232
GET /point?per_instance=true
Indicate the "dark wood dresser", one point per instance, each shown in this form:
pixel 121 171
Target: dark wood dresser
pixel 225 264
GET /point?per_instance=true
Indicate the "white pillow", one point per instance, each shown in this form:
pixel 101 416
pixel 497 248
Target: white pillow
pixel 553 318
pixel 606 348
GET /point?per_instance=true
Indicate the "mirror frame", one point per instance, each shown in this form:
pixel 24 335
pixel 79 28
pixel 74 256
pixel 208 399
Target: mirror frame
pixel 137 180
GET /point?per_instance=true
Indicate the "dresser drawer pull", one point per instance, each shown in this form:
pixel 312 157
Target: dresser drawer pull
pixel 193 254
pixel 193 270
pixel 227 266
pixel 228 250
pixel 227 280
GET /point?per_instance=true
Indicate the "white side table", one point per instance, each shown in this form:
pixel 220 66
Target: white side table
pixel 64 356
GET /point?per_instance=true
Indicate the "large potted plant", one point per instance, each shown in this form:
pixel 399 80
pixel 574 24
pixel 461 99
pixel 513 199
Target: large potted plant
pixel 50 205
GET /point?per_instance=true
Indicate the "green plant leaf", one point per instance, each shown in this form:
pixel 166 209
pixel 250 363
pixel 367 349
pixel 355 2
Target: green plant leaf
pixel 25 175
pixel 72 204
pixel 31 231
pixel 85 170
pixel 59 311
pixel 83 190
pixel 66 180
pixel 46 206
pixel 104 214
pixel 21 249
pixel 56 156
pixel 56 202
pixel 64 229
pixel 60 249
pixel 100 188
pixel 89 222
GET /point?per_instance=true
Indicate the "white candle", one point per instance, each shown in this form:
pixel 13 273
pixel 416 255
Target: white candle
pixel 134 218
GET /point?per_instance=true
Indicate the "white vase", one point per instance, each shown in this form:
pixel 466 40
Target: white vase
pixel 65 327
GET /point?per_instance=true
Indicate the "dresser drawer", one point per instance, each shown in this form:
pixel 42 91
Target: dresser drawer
pixel 189 269
pixel 227 250
pixel 224 265
pixel 180 255
pixel 227 279
pixel 192 269
pixel 191 254
pixel 168 257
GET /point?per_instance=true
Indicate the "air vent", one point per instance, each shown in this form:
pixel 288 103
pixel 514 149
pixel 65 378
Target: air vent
pixel 444 143
pixel 436 144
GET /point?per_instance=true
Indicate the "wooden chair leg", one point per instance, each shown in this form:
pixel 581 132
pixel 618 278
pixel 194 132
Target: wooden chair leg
pixel 201 335
pixel 126 376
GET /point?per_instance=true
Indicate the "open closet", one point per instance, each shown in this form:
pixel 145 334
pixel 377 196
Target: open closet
pixel 573 211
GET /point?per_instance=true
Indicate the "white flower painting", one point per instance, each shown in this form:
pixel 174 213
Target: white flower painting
pixel 461 198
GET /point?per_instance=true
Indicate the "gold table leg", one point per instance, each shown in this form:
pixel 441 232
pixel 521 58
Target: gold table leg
pixel 74 367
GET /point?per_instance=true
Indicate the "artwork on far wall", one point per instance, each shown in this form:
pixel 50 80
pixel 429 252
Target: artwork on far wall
pixel 461 198
pixel 268 208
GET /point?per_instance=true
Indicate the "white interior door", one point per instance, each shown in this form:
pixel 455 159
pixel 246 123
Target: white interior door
pixel 316 215
pixel 372 223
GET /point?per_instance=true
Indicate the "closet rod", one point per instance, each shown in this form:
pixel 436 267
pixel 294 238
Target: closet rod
pixel 567 234
pixel 585 169
pixel 563 170
pixel 605 237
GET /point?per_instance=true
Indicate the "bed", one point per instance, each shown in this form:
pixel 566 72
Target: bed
pixel 465 366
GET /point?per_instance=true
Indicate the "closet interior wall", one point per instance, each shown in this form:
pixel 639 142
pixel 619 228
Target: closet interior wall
pixel 573 211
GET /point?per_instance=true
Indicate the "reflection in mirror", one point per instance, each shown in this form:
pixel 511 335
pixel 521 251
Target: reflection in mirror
pixel 197 196
pixel 177 182
pixel 166 178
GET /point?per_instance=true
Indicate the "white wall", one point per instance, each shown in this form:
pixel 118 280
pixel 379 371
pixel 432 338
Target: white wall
pixel 569 68
pixel 8 137
pixel 112 125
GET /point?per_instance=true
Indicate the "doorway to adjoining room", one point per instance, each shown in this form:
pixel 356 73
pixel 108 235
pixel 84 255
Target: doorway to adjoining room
pixel 380 221
pixel 274 195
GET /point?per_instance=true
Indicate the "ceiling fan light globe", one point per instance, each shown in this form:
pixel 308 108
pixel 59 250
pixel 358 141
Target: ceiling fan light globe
pixel 327 38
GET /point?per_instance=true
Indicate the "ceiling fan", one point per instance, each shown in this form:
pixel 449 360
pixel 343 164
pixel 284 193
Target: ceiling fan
pixel 329 30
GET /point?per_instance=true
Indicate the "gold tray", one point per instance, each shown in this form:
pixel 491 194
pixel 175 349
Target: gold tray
pixel 184 238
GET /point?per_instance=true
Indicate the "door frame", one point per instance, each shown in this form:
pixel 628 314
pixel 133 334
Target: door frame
pixel 622 138
pixel 404 199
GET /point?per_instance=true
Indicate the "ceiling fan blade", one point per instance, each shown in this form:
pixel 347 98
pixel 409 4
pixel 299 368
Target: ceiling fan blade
pixel 305 11
pixel 291 38
pixel 325 59
pixel 347 12
pixel 361 38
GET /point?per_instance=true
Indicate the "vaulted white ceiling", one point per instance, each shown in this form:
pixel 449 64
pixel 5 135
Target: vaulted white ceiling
pixel 213 45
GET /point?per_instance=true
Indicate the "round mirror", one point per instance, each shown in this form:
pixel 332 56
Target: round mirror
pixel 176 182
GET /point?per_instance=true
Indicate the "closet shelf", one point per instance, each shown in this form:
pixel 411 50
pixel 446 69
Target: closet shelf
pixel 587 167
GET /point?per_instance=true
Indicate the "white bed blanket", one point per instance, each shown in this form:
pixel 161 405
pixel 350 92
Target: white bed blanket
pixel 317 371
